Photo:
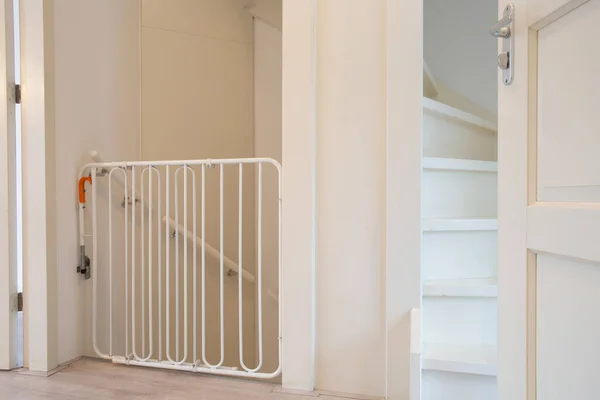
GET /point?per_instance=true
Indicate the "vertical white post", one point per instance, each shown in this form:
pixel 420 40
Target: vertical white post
pixel 259 270
pixel 185 264
pixel 241 264
pixel 195 264
pixel 95 266
pixel 176 195
pixel 151 169
pixel 133 267
pixel 143 254
pixel 299 158
pixel 221 264
pixel 8 195
pixel 160 263
pixel 126 194
pixel 168 263
pixel 203 262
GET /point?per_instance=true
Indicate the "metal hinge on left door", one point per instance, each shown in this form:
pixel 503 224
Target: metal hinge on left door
pixel 14 93
pixel 17 94
pixel 20 301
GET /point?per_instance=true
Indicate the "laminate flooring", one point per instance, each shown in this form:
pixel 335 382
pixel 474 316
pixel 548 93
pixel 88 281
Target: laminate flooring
pixel 98 380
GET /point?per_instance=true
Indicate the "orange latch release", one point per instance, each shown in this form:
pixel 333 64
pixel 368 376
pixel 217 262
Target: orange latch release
pixel 82 182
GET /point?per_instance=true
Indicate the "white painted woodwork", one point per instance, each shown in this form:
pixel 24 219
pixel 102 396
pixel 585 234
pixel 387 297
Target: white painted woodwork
pixel 459 194
pixel 349 86
pixel 568 325
pixel 565 172
pixel 299 177
pixel 459 224
pixel 439 385
pixel 39 195
pixel 452 133
pixel 8 193
pixel 549 262
pixel 465 359
pixel 453 255
pixel 403 31
pixel 459 321
pixel 452 164
pixel 474 287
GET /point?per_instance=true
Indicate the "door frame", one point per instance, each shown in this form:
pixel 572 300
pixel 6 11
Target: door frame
pixel 39 204
pixel 8 194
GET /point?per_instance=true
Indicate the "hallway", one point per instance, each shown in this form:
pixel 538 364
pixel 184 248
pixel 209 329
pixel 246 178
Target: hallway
pixel 97 380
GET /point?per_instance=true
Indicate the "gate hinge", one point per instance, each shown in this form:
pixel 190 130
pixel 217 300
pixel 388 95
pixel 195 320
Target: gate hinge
pixel 17 94
pixel 20 301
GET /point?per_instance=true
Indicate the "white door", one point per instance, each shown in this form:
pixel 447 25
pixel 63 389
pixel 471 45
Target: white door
pixel 549 205
pixel 8 211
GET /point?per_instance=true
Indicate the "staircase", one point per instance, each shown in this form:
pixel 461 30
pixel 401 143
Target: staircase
pixel 459 213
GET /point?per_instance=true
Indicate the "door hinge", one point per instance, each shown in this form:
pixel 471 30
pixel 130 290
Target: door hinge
pixel 17 94
pixel 20 301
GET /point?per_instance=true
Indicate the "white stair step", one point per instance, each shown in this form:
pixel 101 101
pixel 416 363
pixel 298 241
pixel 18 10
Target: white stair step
pixel 459 224
pixel 456 255
pixel 459 194
pixel 439 385
pixel 483 287
pixel 459 115
pixel 460 320
pixel 454 164
pixel 464 359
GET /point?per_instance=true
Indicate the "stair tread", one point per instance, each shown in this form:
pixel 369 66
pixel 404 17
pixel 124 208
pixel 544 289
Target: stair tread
pixel 467 359
pixel 467 287
pixel 454 164
pixel 454 113
pixel 459 224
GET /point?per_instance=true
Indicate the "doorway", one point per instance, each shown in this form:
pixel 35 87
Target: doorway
pixel 459 201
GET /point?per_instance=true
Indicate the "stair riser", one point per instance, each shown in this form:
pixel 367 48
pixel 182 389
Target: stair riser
pixel 446 137
pixel 459 194
pixel 452 386
pixel 457 320
pixel 454 255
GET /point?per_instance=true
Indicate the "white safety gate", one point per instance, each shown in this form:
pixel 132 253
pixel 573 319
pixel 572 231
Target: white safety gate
pixel 163 295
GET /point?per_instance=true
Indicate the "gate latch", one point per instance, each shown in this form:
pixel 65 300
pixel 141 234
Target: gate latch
pixel 84 267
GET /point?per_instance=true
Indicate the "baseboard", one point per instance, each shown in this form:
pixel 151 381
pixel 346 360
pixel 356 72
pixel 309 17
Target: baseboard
pixel 297 392
pixel 47 374
pixel 350 396
pixel 318 393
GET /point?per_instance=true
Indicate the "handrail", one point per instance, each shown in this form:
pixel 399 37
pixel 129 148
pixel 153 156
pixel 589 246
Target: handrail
pixel 187 234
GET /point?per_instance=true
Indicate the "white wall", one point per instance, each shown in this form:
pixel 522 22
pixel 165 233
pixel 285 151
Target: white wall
pixel 459 50
pixel 267 143
pixel 351 145
pixel 96 108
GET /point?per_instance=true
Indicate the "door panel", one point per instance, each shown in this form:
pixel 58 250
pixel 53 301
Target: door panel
pixel 568 324
pixel 567 106
pixel 549 189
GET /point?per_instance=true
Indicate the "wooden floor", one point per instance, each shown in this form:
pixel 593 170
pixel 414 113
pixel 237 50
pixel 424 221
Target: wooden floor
pixel 98 380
